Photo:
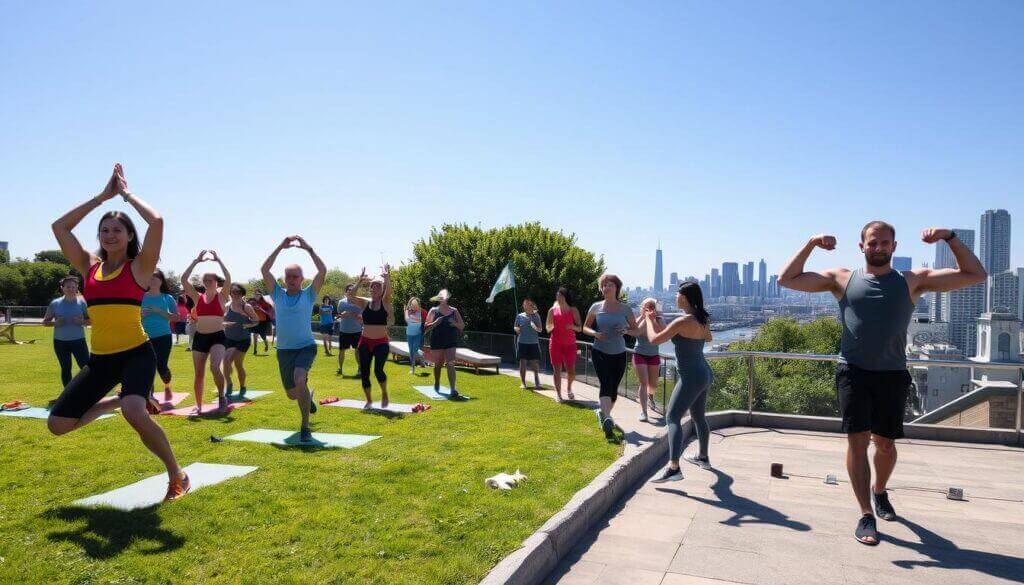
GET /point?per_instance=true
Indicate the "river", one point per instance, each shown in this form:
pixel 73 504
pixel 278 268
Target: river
pixel 727 336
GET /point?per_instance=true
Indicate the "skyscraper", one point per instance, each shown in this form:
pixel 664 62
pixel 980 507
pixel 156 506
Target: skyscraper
pixel 961 309
pixel 773 286
pixel 659 279
pixel 1004 290
pixel 994 245
pixel 716 284
pixel 1020 294
pixel 944 259
pixel 730 279
pixel 748 279
pixel 673 279
pixel 903 262
pixel 762 279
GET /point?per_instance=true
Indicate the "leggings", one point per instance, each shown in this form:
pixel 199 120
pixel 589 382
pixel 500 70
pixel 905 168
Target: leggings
pixel 610 368
pixel 162 348
pixel 64 351
pixel 379 356
pixel 415 343
pixel 690 393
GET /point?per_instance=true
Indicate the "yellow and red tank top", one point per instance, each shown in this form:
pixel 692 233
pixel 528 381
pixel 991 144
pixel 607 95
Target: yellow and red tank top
pixel 115 302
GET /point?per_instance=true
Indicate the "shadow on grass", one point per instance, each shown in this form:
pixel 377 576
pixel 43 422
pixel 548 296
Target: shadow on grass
pixel 945 554
pixel 577 403
pixel 109 532
pixel 388 414
pixel 745 510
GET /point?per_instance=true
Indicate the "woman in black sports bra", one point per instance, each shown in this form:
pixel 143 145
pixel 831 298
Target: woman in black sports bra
pixel 445 324
pixel 373 343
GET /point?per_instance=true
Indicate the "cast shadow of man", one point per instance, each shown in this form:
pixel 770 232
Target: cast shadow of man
pixel 745 510
pixel 108 532
pixel 945 554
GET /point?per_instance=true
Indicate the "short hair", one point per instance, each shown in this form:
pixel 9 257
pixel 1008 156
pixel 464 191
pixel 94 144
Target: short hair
pixel 877 224
pixel 72 278
pixel 614 279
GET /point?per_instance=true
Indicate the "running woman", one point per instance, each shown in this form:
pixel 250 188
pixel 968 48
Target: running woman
pixel 527 326
pixel 445 324
pixel 239 320
pixel 688 334
pixel 875 306
pixel 159 310
pixel 608 321
pixel 327 323
pixel 414 318
pixel 296 348
pixel 647 358
pixel 265 313
pixel 180 324
pixel 350 326
pixel 68 315
pixel 209 342
pixel 563 323
pixel 121 353
pixel 377 315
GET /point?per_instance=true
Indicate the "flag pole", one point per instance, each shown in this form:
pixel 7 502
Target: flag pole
pixel 515 296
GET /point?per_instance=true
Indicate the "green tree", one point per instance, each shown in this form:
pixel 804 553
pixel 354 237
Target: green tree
pixel 55 256
pixel 173 282
pixel 467 260
pixel 12 285
pixel 5 256
pixel 41 280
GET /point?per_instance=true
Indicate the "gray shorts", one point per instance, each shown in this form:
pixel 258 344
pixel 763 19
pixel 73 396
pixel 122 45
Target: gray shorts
pixel 289 359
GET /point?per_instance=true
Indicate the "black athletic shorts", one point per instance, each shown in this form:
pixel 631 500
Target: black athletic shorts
pixel 241 345
pixel 133 369
pixel 203 342
pixel 871 400
pixel 348 340
pixel 529 351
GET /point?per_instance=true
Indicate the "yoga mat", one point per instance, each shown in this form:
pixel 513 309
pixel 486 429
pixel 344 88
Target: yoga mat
pixel 176 399
pixel 428 391
pixel 249 395
pixel 151 490
pixel 209 409
pixel 358 404
pixel 37 412
pixel 291 438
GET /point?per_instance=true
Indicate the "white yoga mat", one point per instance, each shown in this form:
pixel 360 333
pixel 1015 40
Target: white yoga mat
pixel 428 391
pixel 37 412
pixel 249 395
pixel 151 490
pixel 358 404
pixel 291 438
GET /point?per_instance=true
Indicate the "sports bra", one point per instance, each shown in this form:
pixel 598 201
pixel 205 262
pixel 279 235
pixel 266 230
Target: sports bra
pixel 211 309
pixel 114 301
pixel 375 317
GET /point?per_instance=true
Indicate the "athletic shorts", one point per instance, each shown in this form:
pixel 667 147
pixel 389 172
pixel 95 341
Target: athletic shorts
pixel 241 345
pixel 562 355
pixel 133 369
pixel 529 351
pixel 262 329
pixel 348 340
pixel 326 328
pixel 646 360
pixel 204 342
pixel 289 359
pixel 872 400
pixel 179 327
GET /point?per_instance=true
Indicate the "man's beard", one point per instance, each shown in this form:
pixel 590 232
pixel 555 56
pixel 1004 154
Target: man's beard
pixel 878 260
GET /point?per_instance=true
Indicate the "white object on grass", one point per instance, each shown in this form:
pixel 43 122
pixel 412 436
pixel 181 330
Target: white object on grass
pixel 504 481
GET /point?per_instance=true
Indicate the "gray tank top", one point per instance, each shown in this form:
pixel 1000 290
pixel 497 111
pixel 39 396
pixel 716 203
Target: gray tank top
pixel 645 347
pixel 236 332
pixel 875 312
pixel 610 323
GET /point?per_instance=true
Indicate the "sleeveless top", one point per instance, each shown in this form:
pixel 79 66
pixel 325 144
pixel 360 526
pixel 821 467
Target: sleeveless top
pixel 445 333
pixel 115 305
pixel 693 369
pixel 645 347
pixel 211 309
pixel 560 335
pixel 375 316
pixel 875 312
pixel 609 323
pixel 236 332
pixel 413 322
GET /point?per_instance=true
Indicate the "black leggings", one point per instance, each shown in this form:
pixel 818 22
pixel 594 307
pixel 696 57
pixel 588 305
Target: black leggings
pixel 162 348
pixel 64 351
pixel 610 368
pixel 379 356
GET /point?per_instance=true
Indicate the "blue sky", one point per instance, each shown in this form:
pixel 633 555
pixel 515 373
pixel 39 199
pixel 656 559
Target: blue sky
pixel 728 130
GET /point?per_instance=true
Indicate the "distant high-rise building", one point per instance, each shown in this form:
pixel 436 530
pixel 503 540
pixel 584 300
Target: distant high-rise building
pixel 716 284
pixel 762 279
pixel 994 246
pixel 673 279
pixel 659 279
pixel 903 262
pixel 3 245
pixel 944 259
pixel 705 285
pixel 773 286
pixel 730 279
pixel 1020 294
pixel 961 309
pixel 1004 292
pixel 748 280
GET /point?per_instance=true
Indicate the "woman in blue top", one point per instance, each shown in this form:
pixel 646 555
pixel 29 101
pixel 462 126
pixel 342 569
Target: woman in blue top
pixel 159 310
pixel 607 322
pixel 527 327
pixel 327 323
pixel 68 317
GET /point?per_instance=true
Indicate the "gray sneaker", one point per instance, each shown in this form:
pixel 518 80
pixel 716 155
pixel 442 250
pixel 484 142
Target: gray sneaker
pixel 305 436
pixel 608 426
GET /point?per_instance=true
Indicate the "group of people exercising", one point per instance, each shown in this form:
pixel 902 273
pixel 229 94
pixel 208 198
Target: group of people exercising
pixel 126 302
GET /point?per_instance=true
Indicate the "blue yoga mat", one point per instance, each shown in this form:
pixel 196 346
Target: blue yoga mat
pixel 249 395
pixel 291 438
pixel 150 491
pixel 37 412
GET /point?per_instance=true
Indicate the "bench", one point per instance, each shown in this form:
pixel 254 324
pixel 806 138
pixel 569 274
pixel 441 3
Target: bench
pixel 7 332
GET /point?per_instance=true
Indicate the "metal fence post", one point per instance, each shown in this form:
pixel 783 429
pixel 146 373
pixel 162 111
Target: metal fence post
pixel 1020 398
pixel 750 389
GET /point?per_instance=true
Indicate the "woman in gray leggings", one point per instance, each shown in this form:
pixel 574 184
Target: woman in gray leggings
pixel 693 379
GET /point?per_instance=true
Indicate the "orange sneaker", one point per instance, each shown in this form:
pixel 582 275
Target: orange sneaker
pixel 177 488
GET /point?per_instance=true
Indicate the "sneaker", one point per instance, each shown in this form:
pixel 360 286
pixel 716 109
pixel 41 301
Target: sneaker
pixel 305 435
pixel 241 392
pixel 702 462
pixel 177 488
pixel 669 475
pixel 338 373
pixel 608 426
pixel 312 403
pixel 454 394
pixel 883 508
pixel 866 529
pixel 230 390
pixel 222 404
pixel 643 417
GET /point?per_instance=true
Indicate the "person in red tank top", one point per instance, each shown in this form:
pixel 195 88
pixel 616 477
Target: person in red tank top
pixel 562 324
pixel 122 353
pixel 209 342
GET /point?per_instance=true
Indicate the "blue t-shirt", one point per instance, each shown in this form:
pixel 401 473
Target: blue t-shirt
pixel 527 334
pixel 155 325
pixel 67 311
pixel 326 314
pixel 349 324
pixel 293 313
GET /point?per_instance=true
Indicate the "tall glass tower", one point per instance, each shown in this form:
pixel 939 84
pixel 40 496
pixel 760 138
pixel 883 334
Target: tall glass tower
pixel 659 275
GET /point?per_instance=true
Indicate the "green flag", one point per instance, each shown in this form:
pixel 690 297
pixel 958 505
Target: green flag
pixel 505 282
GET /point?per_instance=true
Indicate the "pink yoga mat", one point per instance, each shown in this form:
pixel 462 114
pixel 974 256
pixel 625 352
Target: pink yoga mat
pixel 208 409
pixel 176 399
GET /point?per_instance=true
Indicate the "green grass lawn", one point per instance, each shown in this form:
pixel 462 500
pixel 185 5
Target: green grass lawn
pixel 410 507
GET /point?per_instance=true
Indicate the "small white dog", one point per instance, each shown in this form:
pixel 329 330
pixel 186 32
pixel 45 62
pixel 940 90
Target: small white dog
pixel 504 481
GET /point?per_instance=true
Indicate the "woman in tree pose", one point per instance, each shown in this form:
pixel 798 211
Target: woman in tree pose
pixel 209 342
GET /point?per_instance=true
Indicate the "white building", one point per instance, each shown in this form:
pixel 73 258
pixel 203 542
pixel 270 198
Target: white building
pixel 1004 292
pixel 939 385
